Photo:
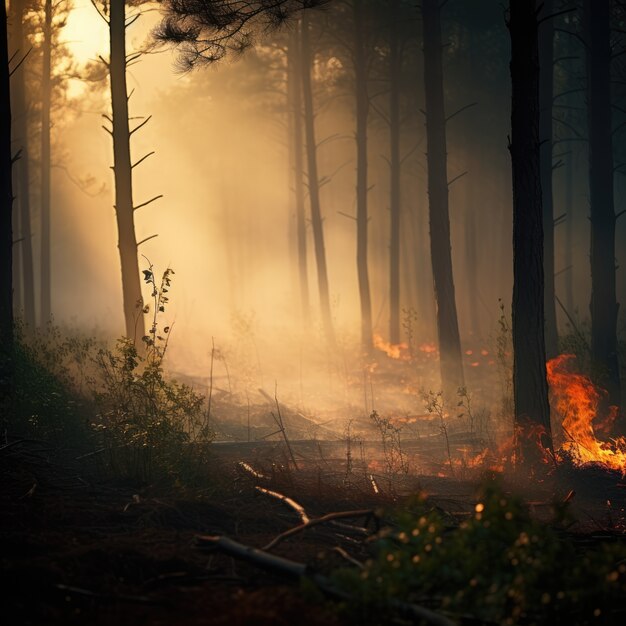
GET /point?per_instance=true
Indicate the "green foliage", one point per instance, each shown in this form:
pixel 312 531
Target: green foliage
pixel 116 405
pixel 149 423
pixel 498 566
pixel 395 459
pixel 504 352
pixel 48 379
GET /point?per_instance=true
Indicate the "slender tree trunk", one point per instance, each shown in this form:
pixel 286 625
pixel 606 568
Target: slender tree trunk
pixel 395 75
pixel 20 139
pixel 546 93
pixel 471 235
pixel 440 247
pixel 6 231
pixel 530 387
pixel 297 149
pixel 604 306
pixel 569 192
pixel 569 232
pixel 46 76
pixel 122 166
pixel 314 191
pixel 362 219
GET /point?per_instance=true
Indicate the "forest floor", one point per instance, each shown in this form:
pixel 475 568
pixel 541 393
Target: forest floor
pixel 78 548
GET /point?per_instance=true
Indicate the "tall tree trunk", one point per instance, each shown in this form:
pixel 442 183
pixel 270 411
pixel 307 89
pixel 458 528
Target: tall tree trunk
pixel 604 306
pixel 395 76
pixel 362 114
pixel 296 145
pixel 546 92
pixel 472 269
pixel 569 232
pixel 314 190
pixel 123 169
pixel 568 192
pixel 46 98
pixel 440 247
pixel 20 139
pixel 6 230
pixel 530 387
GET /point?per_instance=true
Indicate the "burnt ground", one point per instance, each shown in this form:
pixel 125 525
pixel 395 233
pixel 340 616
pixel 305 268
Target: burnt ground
pixel 81 548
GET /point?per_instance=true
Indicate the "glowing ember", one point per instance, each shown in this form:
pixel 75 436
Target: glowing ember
pixel 428 348
pixel 577 401
pixel 392 350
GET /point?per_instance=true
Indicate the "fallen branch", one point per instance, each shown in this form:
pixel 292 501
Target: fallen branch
pixel 314 522
pixel 299 509
pixel 298 571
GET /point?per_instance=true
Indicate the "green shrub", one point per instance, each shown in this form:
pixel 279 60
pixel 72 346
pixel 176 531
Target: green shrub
pixel 113 404
pixel 48 403
pixel 498 566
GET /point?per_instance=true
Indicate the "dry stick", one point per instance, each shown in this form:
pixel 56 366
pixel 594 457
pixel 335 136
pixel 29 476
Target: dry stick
pixel 314 522
pixel 293 569
pixel 299 509
pixel 572 322
pixel 342 553
pixel 246 467
pixel 208 410
pixel 281 425
pixel 248 401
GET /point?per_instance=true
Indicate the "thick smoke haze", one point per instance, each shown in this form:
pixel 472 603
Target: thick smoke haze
pixel 224 224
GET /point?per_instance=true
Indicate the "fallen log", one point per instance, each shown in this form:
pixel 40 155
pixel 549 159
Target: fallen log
pixel 298 571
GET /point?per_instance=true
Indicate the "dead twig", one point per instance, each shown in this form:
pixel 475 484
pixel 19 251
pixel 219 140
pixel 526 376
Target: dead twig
pixel 315 522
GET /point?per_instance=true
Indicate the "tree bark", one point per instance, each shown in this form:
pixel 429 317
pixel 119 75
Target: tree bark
pixel 6 229
pixel 362 219
pixel 314 191
pixel 546 92
pixel 122 167
pixel 604 306
pixel 395 75
pixel 530 387
pixel 46 76
pixel 441 254
pixel 296 145
pixel 472 269
pixel 20 139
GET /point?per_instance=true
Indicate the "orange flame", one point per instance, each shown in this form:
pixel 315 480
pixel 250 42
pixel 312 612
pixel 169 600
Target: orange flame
pixel 392 350
pixel 577 400
pixel 428 348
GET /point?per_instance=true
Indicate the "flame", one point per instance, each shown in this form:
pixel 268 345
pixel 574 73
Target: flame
pixel 428 348
pixel 577 400
pixel 392 350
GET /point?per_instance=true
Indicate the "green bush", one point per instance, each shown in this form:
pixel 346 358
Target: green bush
pixel 48 404
pixel 148 423
pixel 498 566
pixel 115 405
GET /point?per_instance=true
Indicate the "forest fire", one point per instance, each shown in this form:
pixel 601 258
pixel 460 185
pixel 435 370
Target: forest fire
pixel 578 403
pixel 397 351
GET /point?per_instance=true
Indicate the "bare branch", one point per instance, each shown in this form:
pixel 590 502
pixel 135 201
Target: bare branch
pixel 143 204
pixel 142 159
pixel 147 239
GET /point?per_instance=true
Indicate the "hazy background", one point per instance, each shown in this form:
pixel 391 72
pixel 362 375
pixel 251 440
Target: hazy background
pixel 225 222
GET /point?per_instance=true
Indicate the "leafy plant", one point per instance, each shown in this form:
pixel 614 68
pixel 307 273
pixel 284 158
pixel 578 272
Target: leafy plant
pixel 147 421
pixel 434 403
pixel 498 566
pixel 504 352
pixel 394 457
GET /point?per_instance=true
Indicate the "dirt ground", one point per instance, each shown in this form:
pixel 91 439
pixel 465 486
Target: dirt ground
pixel 79 549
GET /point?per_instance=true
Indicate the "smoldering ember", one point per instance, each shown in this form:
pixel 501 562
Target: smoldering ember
pixel 310 312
